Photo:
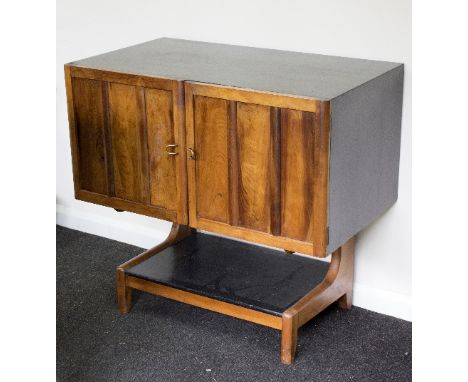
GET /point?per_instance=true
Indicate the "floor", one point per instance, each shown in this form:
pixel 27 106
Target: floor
pixel 162 340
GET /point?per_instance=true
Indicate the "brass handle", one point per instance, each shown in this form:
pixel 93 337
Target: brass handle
pixel 169 151
pixel 191 153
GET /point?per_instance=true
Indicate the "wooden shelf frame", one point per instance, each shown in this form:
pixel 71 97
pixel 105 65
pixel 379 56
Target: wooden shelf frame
pixel 336 286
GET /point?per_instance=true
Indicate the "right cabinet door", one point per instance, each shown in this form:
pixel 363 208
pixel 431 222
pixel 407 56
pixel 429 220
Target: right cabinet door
pixel 258 166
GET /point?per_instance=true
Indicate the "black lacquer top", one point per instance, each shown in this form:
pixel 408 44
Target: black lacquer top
pixel 243 274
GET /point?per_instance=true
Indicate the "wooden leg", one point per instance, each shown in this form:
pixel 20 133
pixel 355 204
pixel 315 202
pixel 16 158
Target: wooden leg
pixel 337 286
pixel 346 301
pixel 124 293
pixel 347 274
pixel 289 338
pixel 288 252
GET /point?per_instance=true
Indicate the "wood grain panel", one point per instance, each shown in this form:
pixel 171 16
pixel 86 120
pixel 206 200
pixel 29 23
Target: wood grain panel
pixel 89 120
pixel 211 138
pixel 253 130
pixel 297 158
pixel 162 166
pixel 127 125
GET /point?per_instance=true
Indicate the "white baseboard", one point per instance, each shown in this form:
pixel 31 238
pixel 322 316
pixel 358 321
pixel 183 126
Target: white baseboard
pixel 114 229
pixel 382 301
pixel 377 300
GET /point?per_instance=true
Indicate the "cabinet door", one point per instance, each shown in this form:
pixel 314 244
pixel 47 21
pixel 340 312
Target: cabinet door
pixel 260 167
pixel 127 134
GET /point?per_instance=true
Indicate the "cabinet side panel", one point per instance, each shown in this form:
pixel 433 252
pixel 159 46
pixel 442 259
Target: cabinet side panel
pixel 365 154
pixel 126 121
pixel 211 139
pixel 159 120
pixel 297 159
pixel 89 120
pixel 253 129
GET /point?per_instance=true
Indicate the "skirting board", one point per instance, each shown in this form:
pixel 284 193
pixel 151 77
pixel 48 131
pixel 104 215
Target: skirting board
pixel 377 300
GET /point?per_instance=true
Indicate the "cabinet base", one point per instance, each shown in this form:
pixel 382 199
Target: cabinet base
pixel 257 284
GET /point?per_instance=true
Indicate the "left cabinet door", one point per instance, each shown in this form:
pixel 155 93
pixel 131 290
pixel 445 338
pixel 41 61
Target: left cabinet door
pixel 127 138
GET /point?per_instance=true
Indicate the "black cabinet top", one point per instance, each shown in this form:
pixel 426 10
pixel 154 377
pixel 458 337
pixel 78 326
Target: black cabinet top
pixel 302 74
pixel 242 274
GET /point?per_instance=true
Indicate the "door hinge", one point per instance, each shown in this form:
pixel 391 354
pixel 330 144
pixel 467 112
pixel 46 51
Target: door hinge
pixel 327 236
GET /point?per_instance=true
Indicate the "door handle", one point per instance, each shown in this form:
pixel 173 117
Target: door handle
pixel 191 153
pixel 169 149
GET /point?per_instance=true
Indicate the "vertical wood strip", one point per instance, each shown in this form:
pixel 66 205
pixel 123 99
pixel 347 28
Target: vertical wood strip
pixel 309 121
pixel 73 129
pixel 107 141
pixel 190 142
pixel 89 122
pixel 233 163
pixel 255 157
pixel 162 166
pixel 211 158
pixel 320 194
pixel 145 179
pixel 178 97
pixel 126 126
pixel 275 170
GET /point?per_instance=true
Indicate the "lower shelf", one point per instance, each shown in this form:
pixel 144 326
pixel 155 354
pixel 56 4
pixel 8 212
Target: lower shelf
pixel 241 274
pixel 266 286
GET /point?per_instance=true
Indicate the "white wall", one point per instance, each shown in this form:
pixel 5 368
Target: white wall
pixel 372 29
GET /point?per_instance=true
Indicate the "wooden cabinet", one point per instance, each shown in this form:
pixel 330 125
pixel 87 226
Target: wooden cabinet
pixel 294 151
pixel 256 170
pixel 127 139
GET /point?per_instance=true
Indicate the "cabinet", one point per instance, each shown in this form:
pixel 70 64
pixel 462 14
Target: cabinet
pixel 298 152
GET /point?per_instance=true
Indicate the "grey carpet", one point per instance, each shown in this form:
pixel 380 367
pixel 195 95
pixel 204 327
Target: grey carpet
pixel 162 340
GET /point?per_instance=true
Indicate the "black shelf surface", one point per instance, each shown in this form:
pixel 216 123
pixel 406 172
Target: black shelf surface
pixel 247 275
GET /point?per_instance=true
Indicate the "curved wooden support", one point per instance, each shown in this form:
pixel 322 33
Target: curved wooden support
pixel 337 285
pixel 124 295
